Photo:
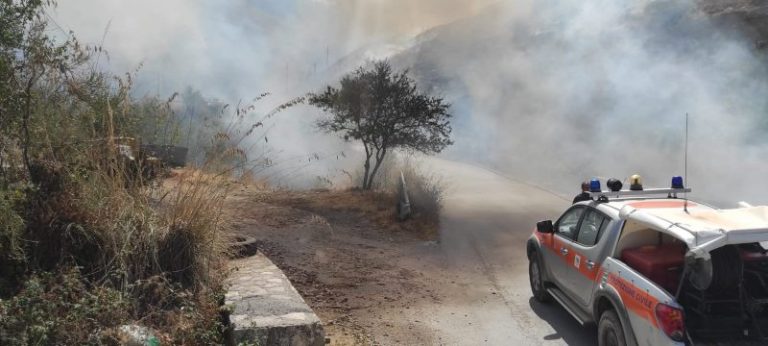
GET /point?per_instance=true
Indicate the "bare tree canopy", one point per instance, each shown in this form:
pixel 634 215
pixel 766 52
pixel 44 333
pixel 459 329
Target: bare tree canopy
pixel 385 111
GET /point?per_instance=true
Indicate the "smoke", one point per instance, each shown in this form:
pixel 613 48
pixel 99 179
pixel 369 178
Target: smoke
pixel 552 91
pixel 570 90
pixel 235 50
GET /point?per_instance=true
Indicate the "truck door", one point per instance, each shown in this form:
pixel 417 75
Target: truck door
pixel 588 253
pixel 559 256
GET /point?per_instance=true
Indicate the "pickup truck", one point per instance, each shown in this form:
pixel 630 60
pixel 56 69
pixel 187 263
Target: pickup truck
pixel 656 271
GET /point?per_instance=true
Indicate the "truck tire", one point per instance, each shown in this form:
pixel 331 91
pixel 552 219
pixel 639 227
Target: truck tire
pixel 536 279
pixel 609 331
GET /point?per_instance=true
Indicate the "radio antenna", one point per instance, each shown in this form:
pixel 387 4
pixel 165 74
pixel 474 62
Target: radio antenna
pixel 685 194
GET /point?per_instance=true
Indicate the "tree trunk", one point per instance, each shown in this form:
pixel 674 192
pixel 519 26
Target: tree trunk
pixel 3 175
pixel 379 159
pixel 25 122
pixel 366 173
pixel 367 166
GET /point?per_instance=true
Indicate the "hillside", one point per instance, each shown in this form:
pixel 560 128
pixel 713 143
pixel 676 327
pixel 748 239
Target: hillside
pixel 573 87
pixel 747 16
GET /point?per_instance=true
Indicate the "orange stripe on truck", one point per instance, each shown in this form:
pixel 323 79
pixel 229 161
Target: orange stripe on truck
pixel 635 299
pixel 553 244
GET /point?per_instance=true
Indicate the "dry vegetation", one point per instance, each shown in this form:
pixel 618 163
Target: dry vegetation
pixel 89 239
pixel 425 190
pixel 102 252
pixel 377 206
pixel 347 254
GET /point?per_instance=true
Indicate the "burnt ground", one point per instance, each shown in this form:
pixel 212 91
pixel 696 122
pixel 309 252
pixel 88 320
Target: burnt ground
pixel 349 258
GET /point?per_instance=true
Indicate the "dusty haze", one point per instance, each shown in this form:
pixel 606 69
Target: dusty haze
pixel 553 91
pixel 575 89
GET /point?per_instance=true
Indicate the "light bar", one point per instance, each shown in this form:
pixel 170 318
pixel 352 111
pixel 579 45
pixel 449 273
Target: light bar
pixel 645 192
pixel 594 185
pixel 677 183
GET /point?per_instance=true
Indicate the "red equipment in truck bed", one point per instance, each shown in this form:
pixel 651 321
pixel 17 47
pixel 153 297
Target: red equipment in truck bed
pixel 661 264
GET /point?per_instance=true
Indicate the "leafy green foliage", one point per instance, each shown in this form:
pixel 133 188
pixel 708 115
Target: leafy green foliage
pixel 11 204
pixel 384 110
pixel 59 309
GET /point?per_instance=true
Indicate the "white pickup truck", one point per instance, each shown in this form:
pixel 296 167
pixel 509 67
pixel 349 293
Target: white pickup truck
pixel 656 271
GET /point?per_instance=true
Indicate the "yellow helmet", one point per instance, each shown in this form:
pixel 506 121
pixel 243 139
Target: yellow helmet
pixel 635 183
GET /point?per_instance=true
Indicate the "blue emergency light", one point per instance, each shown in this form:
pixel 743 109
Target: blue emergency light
pixel 677 183
pixel 594 185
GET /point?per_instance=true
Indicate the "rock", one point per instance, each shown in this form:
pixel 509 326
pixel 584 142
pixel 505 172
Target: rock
pixel 135 335
pixel 266 309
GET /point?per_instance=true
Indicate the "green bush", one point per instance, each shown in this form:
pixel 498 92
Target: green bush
pixel 12 259
pixel 11 207
pixel 60 309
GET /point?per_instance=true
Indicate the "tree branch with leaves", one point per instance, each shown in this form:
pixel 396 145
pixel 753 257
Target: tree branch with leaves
pixel 385 111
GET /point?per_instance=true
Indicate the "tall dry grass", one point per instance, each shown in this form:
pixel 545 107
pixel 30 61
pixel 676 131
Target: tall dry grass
pixel 99 212
pixel 426 189
pixel 194 245
pixel 121 233
pixel 72 201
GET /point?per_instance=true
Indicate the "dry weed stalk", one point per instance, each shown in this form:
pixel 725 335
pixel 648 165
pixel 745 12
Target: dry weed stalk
pixel 191 215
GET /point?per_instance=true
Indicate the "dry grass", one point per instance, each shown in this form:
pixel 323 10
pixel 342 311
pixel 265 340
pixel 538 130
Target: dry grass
pixel 120 231
pixel 425 191
pixel 192 248
pixel 78 197
pixel 377 206
pixel 250 179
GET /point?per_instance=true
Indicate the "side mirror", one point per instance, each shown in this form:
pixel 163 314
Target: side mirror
pixel 545 227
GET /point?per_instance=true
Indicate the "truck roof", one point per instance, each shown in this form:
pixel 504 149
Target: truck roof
pixel 702 227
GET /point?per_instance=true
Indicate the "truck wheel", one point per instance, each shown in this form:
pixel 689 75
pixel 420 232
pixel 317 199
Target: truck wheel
pixel 609 331
pixel 536 278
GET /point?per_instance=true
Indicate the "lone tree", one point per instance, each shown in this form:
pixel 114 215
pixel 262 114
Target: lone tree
pixel 385 111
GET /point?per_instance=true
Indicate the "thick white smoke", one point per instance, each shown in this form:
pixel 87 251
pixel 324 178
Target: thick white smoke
pixel 236 50
pixel 554 91
pixel 576 89
pixel 240 48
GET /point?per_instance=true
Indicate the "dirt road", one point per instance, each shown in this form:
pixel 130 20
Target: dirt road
pixel 486 221
pixel 376 285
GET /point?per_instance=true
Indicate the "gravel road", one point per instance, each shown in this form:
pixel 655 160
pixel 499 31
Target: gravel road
pixel 486 221
pixel 376 286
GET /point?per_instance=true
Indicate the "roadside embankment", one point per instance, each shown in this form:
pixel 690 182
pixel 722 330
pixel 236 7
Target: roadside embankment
pixel 265 309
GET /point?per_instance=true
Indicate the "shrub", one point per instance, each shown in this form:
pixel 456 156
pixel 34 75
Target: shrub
pixel 193 247
pixel 70 196
pixel 60 309
pixel 11 202
pixel 12 258
pixel 425 190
